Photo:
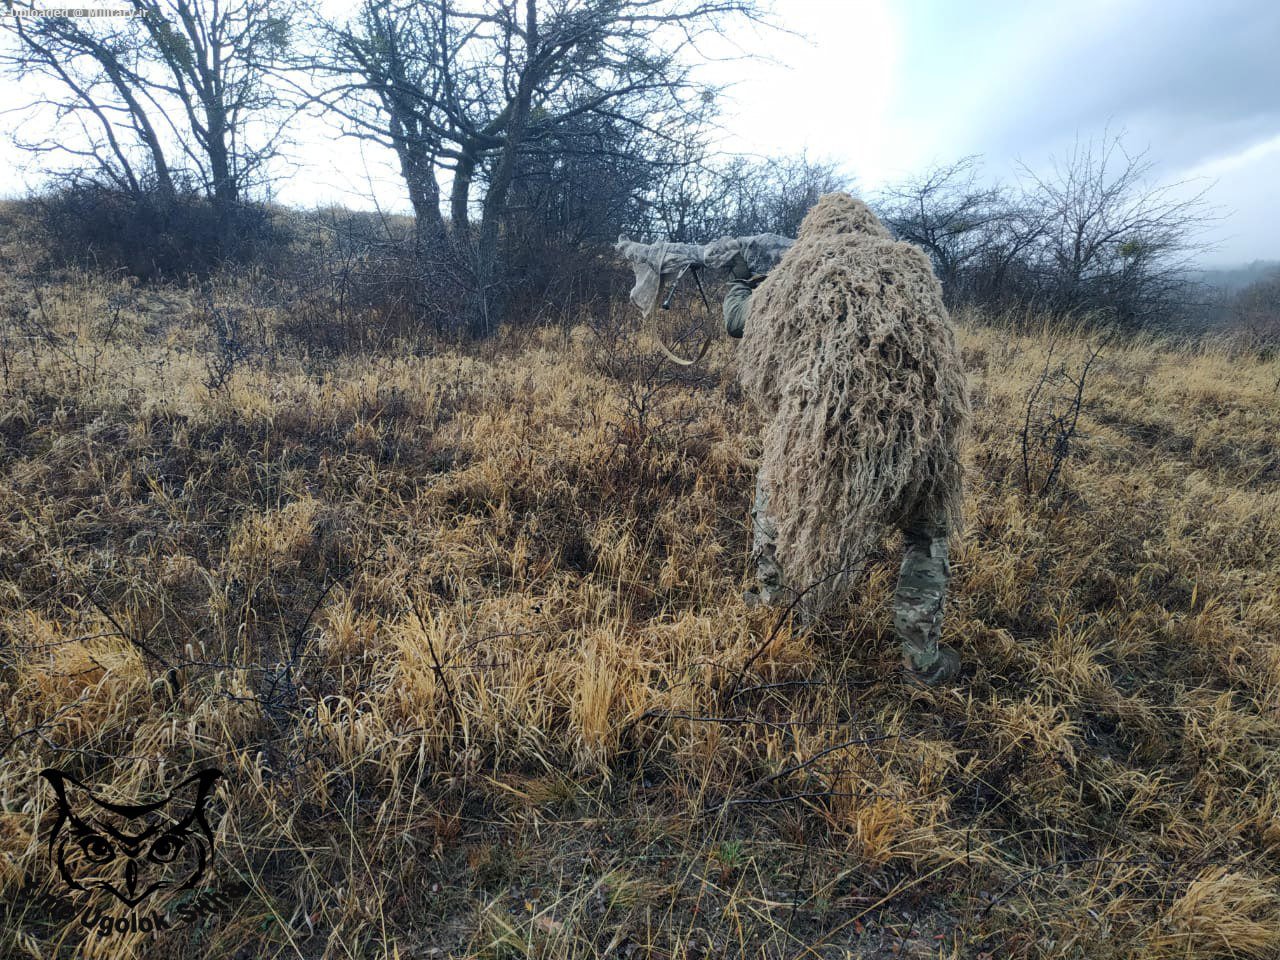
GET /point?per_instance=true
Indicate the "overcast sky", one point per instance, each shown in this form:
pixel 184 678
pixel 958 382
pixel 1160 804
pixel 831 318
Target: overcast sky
pixel 886 87
pixel 889 86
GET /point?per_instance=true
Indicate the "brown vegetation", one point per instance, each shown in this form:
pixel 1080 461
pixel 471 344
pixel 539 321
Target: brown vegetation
pixel 465 634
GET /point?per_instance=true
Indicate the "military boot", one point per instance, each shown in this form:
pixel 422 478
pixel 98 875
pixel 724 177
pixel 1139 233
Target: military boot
pixel 944 669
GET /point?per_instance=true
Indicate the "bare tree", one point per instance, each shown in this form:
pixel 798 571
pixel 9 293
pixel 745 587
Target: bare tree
pixel 973 231
pixel 1093 236
pixel 1112 241
pixel 707 197
pixel 570 198
pixel 691 202
pixel 382 76
pixel 214 58
pixel 94 83
pixel 773 196
pixel 180 91
pixel 469 93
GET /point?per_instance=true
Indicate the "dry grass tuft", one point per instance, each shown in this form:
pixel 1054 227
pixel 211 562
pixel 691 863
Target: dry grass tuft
pixel 1221 914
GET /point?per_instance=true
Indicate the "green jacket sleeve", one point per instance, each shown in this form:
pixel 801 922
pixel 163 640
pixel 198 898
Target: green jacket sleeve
pixel 737 307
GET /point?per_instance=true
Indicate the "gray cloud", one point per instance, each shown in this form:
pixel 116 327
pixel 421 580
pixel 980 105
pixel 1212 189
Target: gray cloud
pixel 1194 79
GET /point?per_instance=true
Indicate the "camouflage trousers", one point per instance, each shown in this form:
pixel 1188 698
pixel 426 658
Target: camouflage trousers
pixel 922 579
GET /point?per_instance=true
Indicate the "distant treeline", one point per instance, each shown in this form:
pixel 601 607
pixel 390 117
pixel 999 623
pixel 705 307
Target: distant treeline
pixel 1234 279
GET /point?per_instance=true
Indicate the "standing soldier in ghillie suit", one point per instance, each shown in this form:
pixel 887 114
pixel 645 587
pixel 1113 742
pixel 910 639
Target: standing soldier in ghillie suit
pixel 850 356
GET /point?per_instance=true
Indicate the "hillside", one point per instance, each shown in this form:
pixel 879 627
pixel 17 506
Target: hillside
pixel 463 630
pixel 1234 279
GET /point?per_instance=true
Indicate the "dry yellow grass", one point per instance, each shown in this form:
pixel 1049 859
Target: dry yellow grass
pixel 464 631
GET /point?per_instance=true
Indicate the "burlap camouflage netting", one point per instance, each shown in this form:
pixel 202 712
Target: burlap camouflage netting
pixel 851 358
pixel 660 263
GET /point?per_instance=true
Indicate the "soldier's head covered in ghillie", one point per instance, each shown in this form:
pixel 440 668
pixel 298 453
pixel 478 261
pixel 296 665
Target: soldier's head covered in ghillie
pixel 849 355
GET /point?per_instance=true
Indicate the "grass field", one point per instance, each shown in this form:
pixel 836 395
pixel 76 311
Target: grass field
pixel 463 630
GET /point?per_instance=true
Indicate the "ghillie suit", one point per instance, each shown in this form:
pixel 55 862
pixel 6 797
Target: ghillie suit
pixel 850 357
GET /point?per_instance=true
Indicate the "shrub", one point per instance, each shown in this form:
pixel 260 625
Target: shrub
pixel 149 236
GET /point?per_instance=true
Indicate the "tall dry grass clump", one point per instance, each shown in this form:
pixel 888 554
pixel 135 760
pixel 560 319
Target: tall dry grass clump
pixel 851 358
